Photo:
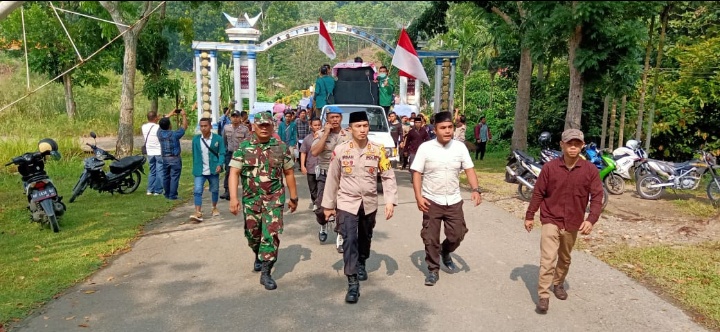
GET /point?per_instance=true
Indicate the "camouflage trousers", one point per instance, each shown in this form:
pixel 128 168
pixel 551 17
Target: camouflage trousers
pixel 262 231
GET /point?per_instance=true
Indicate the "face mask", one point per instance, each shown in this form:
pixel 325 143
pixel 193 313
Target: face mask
pixel 382 75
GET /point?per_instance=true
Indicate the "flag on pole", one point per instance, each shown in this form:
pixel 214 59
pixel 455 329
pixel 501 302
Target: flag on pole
pixel 324 41
pixel 407 60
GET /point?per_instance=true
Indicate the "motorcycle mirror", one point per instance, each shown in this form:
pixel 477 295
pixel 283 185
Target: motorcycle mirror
pixel 92 134
pixel 55 155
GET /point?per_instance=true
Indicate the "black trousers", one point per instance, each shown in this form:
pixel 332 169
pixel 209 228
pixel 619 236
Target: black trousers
pixel 481 149
pixel 319 212
pixel 313 186
pixel 357 231
pixel 228 157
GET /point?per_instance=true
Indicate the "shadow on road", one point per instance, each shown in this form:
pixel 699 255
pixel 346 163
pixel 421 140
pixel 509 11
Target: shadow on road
pixel 373 263
pixel 418 259
pixel 529 275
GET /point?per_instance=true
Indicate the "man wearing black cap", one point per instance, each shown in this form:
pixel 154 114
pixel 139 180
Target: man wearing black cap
pixel 416 136
pixel 351 195
pixel 436 183
pixel 561 193
pixel 322 147
pixel 232 135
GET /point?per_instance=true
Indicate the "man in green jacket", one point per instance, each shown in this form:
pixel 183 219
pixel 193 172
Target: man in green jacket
pixel 386 88
pixel 324 87
pixel 207 148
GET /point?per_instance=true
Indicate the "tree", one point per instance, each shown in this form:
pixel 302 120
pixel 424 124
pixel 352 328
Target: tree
pixel 152 56
pixel 603 41
pixel 473 41
pixel 50 50
pixel 131 34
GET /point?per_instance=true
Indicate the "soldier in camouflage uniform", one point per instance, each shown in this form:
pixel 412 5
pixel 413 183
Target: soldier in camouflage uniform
pixel 260 163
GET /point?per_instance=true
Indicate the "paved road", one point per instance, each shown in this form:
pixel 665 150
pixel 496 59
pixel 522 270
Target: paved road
pixel 185 277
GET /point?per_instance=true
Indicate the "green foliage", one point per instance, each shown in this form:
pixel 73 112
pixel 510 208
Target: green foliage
pixel 50 51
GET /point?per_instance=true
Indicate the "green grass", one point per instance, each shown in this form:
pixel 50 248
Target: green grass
pixel 690 274
pixel 43 114
pixel 37 264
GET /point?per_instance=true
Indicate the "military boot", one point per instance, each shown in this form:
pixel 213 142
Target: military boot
pixel 353 293
pixel 257 266
pixel 265 278
pixel 361 272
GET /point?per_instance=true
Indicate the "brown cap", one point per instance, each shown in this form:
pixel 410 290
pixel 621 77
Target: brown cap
pixel 572 134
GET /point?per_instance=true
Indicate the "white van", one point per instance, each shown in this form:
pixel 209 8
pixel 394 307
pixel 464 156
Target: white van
pixel 379 129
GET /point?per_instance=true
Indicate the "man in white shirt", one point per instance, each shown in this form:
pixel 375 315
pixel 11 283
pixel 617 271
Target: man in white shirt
pixel 436 182
pixel 154 155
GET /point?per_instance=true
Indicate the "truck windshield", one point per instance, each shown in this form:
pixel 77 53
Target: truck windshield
pixel 376 117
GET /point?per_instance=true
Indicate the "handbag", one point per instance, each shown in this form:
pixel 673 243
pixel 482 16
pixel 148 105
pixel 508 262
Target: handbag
pixel 144 147
pixel 330 97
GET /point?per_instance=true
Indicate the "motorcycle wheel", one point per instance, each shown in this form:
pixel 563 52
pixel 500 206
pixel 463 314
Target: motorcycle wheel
pixel 79 187
pixel 614 184
pixel 54 223
pixel 639 173
pixel 130 184
pixel 713 191
pixel 605 199
pixel 643 189
pixel 49 207
pixel 524 191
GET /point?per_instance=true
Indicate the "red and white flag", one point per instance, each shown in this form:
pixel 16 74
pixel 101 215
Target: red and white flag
pixel 407 60
pixel 324 41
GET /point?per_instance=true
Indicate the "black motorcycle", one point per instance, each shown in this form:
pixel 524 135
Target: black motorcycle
pixel 43 201
pixel 124 176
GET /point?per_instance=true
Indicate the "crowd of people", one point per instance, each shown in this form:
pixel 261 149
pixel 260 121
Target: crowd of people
pixel 342 168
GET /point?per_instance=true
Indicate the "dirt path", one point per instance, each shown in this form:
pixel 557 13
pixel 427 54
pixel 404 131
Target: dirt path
pixel 628 219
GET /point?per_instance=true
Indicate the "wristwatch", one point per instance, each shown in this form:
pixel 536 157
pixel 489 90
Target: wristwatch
pixel 294 200
pixel 477 190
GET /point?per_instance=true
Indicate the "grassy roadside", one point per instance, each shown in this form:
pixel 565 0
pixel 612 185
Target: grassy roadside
pixel 688 274
pixel 38 264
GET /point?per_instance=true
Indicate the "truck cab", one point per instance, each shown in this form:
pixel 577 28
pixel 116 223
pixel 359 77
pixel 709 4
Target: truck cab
pixel 379 132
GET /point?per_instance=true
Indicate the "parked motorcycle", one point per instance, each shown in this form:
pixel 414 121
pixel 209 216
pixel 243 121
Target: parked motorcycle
pixel 44 204
pixel 680 176
pixel 124 176
pixel 605 163
pixel 631 161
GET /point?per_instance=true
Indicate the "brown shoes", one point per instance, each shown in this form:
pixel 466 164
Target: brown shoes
pixel 560 292
pixel 543 305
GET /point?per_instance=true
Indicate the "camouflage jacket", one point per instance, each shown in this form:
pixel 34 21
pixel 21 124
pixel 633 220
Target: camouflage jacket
pixel 261 172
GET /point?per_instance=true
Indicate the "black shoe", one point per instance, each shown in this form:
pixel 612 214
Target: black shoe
pixel 322 235
pixel 431 279
pixel 265 278
pixel 361 272
pixel 225 195
pixel 257 266
pixel 448 262
pixel 353 293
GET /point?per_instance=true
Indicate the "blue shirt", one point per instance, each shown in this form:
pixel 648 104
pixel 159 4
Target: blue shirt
pixel 170 141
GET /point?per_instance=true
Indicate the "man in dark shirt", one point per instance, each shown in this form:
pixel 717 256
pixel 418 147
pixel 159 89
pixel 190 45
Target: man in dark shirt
pixel 561 193
pixel 416 136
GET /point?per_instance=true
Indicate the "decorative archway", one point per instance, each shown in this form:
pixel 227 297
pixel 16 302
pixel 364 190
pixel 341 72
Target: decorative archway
pixel 244 47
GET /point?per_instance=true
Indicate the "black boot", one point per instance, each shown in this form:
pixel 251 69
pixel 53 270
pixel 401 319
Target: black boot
pixel 257 266
pixel 353 293
pixel 361 272
pixel 265 278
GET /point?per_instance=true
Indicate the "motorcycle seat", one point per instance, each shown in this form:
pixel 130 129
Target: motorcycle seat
pixel 126 163
pixel 525 156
